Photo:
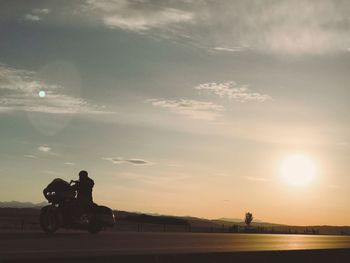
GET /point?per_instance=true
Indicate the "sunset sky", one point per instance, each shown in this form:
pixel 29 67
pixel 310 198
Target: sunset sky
pixel 180 107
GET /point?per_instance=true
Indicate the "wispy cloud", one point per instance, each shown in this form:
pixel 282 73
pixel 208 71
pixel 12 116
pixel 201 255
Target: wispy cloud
pixel 44 148
pixel 194 109
pixel 69 163
pixel 257 179
pixel 44 11
pixel 174 165
pixel 283 27
pixel 137 15
pixel 30 156
pixel 232 91
pixel 230 49
pixel 132 161
pixel 22 90
pixel 279 27
pixel 30 17
pixel 37 14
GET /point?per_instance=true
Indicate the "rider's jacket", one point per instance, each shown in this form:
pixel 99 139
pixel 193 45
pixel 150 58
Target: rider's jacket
pixel 84 189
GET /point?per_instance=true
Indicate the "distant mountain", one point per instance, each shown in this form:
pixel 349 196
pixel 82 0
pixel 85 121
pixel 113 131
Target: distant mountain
pixel 16 204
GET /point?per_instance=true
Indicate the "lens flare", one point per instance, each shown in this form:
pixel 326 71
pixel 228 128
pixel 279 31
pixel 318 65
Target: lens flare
pixel 42 94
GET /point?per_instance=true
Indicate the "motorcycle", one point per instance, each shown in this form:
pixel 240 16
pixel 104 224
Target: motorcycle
pixel 65 211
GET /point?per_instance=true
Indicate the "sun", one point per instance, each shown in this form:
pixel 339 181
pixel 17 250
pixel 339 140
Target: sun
pixel 298 170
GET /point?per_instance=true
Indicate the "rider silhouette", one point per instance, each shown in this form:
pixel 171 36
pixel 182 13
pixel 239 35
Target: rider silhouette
pixel 84 189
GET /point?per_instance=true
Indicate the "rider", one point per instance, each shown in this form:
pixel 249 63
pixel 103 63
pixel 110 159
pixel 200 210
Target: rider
pixel 84 189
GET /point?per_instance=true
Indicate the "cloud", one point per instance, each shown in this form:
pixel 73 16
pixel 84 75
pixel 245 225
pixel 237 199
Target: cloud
pixel 137 15
pixel 69 163
pixel 37 14
pixel 232 91
pixel 283 27
pixel 44 148
pixel 159 19
pixel 279 27
pixel 30 156
pixel 30 17
pixel 230 49
pixel 22 90
pixel 257 179
pixel 194 109
pixel 137 161
pixel 132 161
pixel 44 11
pixel 47 150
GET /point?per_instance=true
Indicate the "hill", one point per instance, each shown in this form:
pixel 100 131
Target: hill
pixel 16 204
pixel 13 217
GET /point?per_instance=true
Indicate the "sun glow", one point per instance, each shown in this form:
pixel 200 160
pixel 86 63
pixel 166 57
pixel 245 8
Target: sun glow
pixel 298 170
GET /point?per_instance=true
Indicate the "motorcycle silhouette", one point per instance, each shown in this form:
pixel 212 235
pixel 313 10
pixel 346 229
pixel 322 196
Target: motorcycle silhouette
pixel 65 211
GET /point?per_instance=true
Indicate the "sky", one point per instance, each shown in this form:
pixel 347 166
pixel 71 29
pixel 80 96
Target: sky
pixel 179 107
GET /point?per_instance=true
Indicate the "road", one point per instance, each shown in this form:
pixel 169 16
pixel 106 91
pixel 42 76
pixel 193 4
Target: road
pixel 31 245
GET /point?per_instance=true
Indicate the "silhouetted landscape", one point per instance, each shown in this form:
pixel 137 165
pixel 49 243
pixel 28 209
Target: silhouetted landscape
pixel 24 216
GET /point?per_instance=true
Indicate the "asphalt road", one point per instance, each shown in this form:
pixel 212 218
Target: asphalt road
pixel 31 245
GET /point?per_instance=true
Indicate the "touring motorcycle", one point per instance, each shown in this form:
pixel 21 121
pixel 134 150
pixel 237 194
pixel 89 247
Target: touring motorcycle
pixel 65 211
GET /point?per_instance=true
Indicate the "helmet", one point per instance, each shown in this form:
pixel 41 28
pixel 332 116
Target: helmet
pixel 83 174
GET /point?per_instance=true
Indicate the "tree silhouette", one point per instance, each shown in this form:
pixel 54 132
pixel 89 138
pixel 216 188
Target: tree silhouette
pixel 248 218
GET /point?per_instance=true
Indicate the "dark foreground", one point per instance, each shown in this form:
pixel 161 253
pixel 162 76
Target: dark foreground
pixel 171 247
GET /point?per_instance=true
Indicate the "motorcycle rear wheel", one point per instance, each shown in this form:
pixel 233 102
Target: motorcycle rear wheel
pixel 94 227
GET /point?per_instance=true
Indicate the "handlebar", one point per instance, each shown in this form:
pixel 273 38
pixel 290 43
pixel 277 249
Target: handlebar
pixel 72 181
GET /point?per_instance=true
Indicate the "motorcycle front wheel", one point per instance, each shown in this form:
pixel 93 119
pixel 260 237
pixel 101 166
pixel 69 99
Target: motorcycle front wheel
pixel 49 219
